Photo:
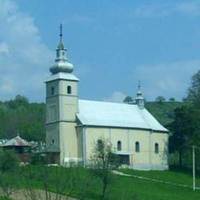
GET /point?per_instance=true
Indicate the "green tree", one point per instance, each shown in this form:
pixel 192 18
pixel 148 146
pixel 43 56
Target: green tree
pixel 128 99
pixel 160 99
pixel 194 90
pixel 103 162
pixel 9 173
pixel 172 99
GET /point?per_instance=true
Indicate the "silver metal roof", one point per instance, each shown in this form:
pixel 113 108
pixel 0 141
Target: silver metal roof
pixel 99 113
pixel 61 75
pixel 17 141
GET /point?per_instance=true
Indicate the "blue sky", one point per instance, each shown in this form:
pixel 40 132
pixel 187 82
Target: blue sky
pixel 112 44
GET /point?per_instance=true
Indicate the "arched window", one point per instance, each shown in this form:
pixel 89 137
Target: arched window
pixel 156 148
pixel 119 146
pixel 69 89
pixel 137 147
pixel 52 90
pixel 100 145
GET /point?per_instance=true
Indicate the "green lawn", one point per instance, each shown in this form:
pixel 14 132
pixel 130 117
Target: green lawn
pixel 81 183
pixel 179 177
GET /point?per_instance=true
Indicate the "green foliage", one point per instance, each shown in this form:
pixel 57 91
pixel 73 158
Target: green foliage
pixel 163 112
pixel 8 161
pixel 18 116
pixel 128 99
pixel 9 169
pixel 194 90
pixel 5 198
pixel 160 99
pixel 38 159
pixel 172 99
pixel 103 162
pixel 78 182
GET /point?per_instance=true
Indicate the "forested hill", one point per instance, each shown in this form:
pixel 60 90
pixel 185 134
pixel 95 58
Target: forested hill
pixel 18 116
pixel 163 111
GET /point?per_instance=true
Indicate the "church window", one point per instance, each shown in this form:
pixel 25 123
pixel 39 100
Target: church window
pixel 156 148
pixel 52 141
pixel 69 89
pixel 119 146
pixel 137 147
pixel 100 145
pixel 52 90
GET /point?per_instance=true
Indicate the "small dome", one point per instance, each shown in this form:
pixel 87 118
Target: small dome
pixel 61 62
pixel 61 66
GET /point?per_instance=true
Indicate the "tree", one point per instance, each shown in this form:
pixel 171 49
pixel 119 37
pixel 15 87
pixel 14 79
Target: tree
pixel 194 90
pixel 178 139
pixel 9 173
pixel 128 99
pixel 172 99
pixel 160 99
pixel 103 162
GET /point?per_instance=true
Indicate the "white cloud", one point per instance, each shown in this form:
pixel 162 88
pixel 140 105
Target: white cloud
pixel 116 97
pixel 6 86
pixel 24 58
pixel 166 79
pixel 151 10
pixel 4 48
pixel 190 8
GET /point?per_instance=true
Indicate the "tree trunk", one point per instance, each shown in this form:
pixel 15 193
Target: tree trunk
pixel 180 158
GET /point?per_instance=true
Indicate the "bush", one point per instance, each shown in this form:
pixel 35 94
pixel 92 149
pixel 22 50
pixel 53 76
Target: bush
pixel 38 159
pixel 8 161
pixel 5 198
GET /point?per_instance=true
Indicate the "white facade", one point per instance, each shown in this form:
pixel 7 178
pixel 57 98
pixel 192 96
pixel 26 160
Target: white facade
pixel 73 126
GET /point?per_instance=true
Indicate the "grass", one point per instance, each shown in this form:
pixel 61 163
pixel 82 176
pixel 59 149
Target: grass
pixel 174 176
pixel 81 183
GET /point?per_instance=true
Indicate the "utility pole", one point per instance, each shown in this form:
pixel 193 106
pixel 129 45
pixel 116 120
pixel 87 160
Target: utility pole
pixel 193 167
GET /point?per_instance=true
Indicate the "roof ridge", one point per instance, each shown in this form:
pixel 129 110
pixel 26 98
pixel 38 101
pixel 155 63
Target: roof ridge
pixel 110 102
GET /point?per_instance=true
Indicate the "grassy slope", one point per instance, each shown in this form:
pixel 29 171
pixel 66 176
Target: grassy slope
pixel 163 112
pixel 122 188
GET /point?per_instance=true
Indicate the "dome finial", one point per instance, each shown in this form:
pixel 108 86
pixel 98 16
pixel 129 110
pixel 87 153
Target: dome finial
pixel 61 34
pixel 61 62
pixel 139 98
pixel 139 85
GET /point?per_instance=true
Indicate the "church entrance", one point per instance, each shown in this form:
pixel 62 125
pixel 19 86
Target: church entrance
pixel 124 159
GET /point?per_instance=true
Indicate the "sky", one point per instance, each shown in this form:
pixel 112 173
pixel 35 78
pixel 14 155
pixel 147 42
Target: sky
pixel 113 44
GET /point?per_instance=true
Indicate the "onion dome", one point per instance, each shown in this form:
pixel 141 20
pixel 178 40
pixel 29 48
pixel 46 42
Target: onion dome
pixel 139 98
pixel 62 63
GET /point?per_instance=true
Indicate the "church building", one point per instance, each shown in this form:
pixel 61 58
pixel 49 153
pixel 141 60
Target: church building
pixel 74 126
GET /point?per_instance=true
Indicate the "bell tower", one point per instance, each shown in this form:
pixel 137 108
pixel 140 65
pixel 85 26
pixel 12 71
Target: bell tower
pixel 61 108
pixel 139 98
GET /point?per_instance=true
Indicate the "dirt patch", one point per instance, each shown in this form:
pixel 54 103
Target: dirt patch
pixel 38 195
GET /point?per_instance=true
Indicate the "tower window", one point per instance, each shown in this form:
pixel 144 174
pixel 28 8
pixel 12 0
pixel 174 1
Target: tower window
pixel 137 147
pixel 156 148
pixel 52 90
pixel 69 89
pixel 119 146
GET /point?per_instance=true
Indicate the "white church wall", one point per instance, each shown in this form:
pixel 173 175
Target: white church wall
pixel 160 158
pixel 68 142
pixel 52 137
pixel 144 159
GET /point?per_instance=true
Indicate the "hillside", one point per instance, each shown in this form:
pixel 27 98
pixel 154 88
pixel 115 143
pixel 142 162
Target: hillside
pixel 18 116
pixel 163 111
